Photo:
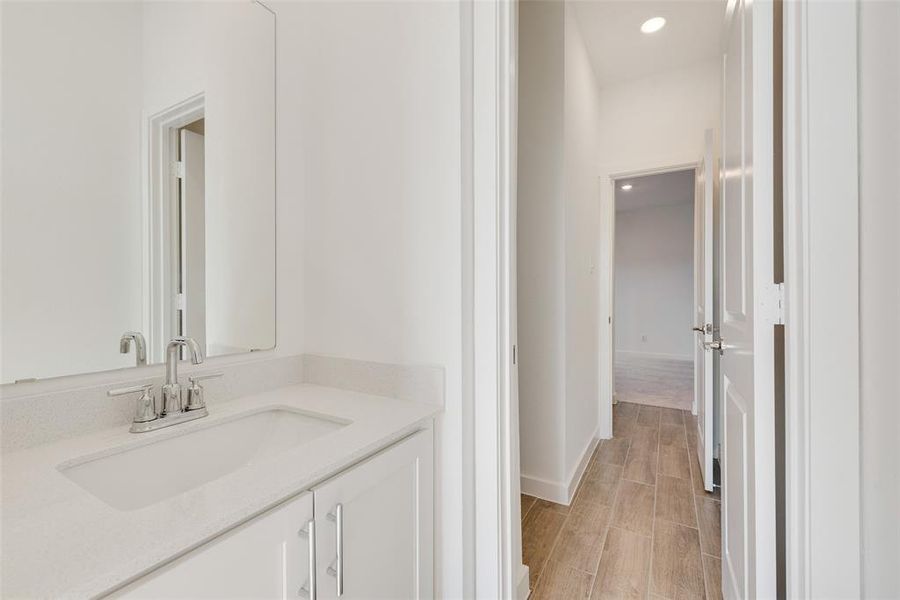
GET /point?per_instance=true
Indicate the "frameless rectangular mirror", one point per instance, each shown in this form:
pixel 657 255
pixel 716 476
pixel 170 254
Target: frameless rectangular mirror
pixel 138 182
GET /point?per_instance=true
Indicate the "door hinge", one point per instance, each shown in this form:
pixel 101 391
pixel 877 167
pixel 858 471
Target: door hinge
pixel 773 303
pixel 180 303
pixel 514 354
pixel 178 169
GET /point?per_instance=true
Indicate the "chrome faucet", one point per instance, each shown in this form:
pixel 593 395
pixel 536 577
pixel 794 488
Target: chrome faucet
pixel 171 390
pixel 172 411
pixel 140 346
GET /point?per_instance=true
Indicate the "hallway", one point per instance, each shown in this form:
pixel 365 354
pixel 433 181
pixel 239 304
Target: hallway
pixel 640 525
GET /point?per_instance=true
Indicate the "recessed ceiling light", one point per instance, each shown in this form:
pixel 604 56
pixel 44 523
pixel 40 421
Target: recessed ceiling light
pixel 626 186
pixel 653 25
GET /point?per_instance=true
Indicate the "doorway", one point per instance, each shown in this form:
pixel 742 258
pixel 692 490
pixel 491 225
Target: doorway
pixel 654 287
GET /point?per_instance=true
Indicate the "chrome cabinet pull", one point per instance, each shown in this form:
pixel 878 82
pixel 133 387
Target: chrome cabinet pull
pixel 337 570
pixel 309 588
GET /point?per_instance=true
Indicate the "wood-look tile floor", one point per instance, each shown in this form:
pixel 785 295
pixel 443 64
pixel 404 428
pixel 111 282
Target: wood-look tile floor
pixel 640 525
pixel 664 382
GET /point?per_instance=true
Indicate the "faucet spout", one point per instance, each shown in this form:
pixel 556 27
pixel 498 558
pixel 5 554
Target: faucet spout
pixel 140 346
pixel 172 349
pixel 172 389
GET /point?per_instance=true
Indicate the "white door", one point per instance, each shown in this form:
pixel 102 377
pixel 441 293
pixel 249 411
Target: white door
pixel 266 558
pixel 703 308
pixel 374 528
pixel 193 237
pixel 747 301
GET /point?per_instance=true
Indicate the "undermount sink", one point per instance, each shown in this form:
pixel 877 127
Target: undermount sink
pixel 139 476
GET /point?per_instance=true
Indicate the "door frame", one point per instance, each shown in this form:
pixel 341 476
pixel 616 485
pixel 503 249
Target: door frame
pixel 821 242
pixel 607 279
pixel 492 544
pixel 710 187
pixel 160 264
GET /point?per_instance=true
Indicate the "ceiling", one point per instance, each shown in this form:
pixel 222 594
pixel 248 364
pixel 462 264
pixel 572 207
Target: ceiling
pixel 664 189
pixel 620 52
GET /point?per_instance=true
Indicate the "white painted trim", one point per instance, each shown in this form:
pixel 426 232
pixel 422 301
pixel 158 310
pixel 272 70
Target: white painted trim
pixel 581 467
pixel 643 171
pixel 762 529
pixel 822 300
pixel 561 492
pixel 554 491
pixel 606 370
pixel 160 264
pixel 523 589
pixel 467 100
pixel 491 539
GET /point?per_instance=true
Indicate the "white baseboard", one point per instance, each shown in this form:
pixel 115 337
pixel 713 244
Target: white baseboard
pixel 554 491
pixel 522 589
pixel 582 465
pixel 637 355
pixel 560 492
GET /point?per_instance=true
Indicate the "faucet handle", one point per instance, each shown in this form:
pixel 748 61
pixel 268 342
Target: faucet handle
pixel 145 409
pixel 134 389
pixel 196 378
pixel 195 398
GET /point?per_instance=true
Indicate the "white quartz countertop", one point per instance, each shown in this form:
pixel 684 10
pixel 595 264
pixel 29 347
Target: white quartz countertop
pixel 60 541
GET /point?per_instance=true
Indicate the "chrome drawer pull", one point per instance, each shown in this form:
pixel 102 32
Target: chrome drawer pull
pixel 337 571
pixel 309 588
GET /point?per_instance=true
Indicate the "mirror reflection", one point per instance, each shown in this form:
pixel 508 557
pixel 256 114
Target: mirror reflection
pixel 138 183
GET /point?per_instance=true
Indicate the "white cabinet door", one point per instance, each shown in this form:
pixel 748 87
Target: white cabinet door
pixel 267 557
pixel 378 514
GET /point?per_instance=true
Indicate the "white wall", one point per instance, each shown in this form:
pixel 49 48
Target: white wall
pixel 541 243
pixel 879 132
pixel 71 186
pixel 557 252
pixel 582 194
pixel 369 99
pixel 661 120
pixel 654 283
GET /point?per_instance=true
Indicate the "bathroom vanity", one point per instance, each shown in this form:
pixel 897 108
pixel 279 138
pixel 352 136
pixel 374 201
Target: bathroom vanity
pixel 362 533
pixel 300 492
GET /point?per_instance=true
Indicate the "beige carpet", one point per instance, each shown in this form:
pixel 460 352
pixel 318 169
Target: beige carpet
pixel 655 381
